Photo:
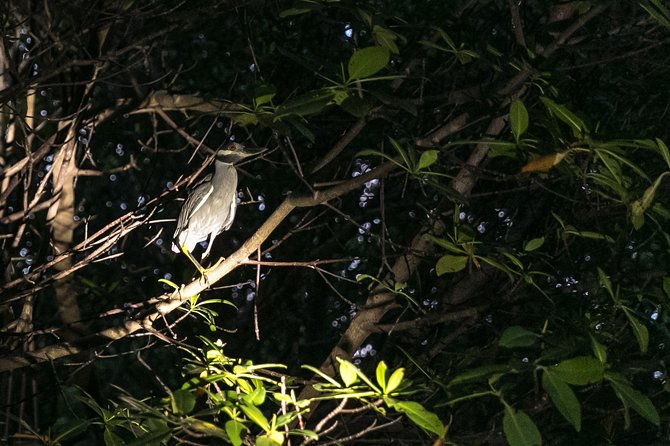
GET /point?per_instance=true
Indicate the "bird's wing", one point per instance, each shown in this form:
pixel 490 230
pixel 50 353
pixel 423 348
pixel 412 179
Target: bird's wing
pixel 200 196
pixel 196 198
pixel 231 215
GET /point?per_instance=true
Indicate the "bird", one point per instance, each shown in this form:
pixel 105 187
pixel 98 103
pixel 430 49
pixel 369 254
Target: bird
pixel 211 205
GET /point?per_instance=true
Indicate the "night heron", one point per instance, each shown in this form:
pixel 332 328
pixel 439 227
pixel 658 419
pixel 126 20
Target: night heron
pixel 211 205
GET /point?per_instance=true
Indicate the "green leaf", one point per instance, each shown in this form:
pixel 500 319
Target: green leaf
pixel 406 159
pixel 69 429
pixel 395 380
pixel 606 282
pixel 306 104
pixel 589 234
pixel 532 245
pixel 423 418
pixel 563 398
pixel 348 373
pixel 234 430
pixel 386 38
pixel 356 106
pixel 303 129
pixel 427 159
pixel 257 396
pixel 273 439
pixel 204 427
pixel 255 415
pixel 153 437
pixel 446 244
pixel 450 264
pixel 639 330
pixel 111 439
pixel 658 12
pixel 245 119
pixel 599 350
pixel 183 401
pixel 639 207
pixel 579 371
pixel 561 112
pixel 666 286
pixel 169 283
pixel 637 401
pixel 293 12
pixel 367 61
pixel 518 118
pixel 478 374
pixel 380 372
pixel 519 428
pixel 263 94
pixel 665 153
pixel 516 336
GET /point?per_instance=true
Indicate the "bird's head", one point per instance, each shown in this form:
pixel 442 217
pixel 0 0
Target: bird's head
pixel 235 152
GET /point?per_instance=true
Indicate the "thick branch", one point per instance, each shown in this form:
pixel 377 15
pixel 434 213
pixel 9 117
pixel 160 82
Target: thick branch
pixel 171 301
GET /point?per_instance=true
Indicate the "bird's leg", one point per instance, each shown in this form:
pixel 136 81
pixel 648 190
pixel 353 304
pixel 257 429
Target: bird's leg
pixel 202 270
pixel 218 262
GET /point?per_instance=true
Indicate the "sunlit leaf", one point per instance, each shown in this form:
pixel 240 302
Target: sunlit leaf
pixel 169 283
pixel 544 163
pixel 204 427
pixel 234 430
pixel 422 417
pixel 183 401
pixel 518 118
pixel 348 373
pixel 367 61
pixel 270 439
pixel 255 415
pixel 563 398
pixel 380 373
pixel 450 264
pixel 427 159
pixel 395 380
pixel 579 371
pixel 519 428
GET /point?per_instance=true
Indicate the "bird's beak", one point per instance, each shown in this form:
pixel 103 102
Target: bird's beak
pixel 246 151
